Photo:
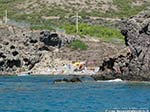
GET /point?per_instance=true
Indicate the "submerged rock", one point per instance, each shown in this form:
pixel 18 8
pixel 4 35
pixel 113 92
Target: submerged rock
pixel 72 80
pixel 75 80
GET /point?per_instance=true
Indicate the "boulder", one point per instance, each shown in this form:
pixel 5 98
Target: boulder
pixel 54 39
pixel 50 39
pixel 72 80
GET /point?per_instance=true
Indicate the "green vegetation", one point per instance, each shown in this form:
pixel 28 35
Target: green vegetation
pixel 78 44
pixel 33 15
pixel 126 9
pixel 10 5
pixel 104 33
pixel 40 27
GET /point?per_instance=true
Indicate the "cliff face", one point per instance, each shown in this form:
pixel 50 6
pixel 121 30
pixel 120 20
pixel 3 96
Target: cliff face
pixel 18 49
pixel 137 36
pixel 21 49
pixel 136 64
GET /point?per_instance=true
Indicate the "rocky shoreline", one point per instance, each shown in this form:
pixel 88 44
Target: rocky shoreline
pixel 25 50
pixel 135 65
pixel 22 49
pixel 45 52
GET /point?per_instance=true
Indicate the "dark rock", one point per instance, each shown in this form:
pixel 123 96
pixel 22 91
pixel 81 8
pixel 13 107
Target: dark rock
pixel 27 61
pixel 24 34
pixel 33 39
pixel 2 62
pixel 2 55
pixel 1 46
pixel 50 39
pixel 61 80
pixel 53 39
pixel 75 80
pixel 5 42
pixel 105 76
pixel 57 80
pixel 66 80
pixel 13 62
pixel 12 47
pixel 15 53
pixel 44 48
pixel 72 80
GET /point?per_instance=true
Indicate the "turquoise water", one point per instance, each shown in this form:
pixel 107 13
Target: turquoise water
pixel 39 94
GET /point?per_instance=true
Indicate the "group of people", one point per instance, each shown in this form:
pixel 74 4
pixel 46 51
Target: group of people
pixel 75 68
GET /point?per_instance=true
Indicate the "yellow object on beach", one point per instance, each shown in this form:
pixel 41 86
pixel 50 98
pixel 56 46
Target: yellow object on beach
pixel 77 64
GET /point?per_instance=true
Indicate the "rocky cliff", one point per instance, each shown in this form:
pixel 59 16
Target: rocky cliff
pixel 21 49
pixel 136 64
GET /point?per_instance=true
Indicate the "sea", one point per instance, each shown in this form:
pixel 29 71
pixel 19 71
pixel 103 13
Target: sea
pixel 41 94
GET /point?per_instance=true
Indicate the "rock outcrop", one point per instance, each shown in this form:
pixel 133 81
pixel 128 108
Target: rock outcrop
pixel 53 39
pixel 136 64
pixel 21 49
pixel 18 51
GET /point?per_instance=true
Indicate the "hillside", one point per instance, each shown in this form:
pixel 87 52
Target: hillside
pixel 98 36
pixel 60 15
pixel 56 11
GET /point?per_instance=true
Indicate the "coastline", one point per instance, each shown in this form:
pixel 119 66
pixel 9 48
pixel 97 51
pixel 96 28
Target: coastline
pixel 37 56
pixel 79 76
pixel 8 74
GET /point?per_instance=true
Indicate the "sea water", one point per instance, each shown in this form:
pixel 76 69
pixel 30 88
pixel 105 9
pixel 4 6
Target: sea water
pixel 40 94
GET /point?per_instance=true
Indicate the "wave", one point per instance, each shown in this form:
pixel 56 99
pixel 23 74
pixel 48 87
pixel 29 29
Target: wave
pixel 114 80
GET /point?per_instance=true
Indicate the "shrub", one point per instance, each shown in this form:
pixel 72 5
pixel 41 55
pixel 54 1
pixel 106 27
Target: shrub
pixel 78 44
pixel 40 27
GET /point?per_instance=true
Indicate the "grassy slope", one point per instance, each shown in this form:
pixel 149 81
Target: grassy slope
pixel 104 33
pixel 125 9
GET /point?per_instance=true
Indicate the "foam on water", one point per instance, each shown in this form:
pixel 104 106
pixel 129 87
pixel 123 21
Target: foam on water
pixel 115 80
